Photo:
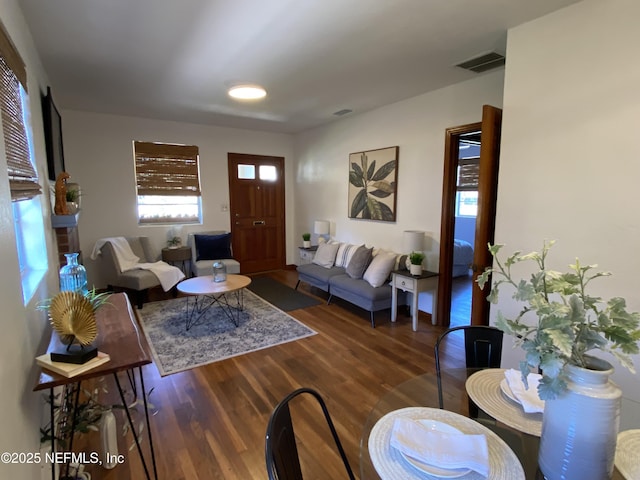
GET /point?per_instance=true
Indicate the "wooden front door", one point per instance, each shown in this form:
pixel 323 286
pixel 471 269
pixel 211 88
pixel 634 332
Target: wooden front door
pixel 256 206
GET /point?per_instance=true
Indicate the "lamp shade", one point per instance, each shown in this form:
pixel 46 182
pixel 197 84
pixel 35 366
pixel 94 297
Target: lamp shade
pixel 413 241
pixel 321 227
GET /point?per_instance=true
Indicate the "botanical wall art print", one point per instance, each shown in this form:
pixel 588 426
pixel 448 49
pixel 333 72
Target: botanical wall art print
pixel 373 177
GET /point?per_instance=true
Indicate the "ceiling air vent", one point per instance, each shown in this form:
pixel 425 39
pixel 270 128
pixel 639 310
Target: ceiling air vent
pixel 483 62
pixel 342 112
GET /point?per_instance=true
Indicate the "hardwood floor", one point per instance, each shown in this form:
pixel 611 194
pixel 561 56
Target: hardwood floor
pixel 210 422
pixel 461 301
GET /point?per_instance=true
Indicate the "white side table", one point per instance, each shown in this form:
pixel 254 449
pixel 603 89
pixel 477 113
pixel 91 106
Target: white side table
pixel 307 254
pixel 426 282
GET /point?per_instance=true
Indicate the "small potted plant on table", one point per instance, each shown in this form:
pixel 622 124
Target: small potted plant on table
pixel 174 242
pixel 306 240
pixel 416 259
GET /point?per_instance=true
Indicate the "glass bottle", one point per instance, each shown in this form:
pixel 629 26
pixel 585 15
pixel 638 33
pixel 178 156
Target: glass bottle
pixel 73 276
pixel 219 272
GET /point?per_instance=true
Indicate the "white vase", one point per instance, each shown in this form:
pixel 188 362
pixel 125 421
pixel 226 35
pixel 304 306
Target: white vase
pixel 580 428
pixel 415 269
pixel 306 243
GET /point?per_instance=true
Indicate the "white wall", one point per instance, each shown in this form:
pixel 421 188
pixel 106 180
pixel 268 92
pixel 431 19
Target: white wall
pixel 569 168
pixel 99 156
pixel 23 327
pixel 417 125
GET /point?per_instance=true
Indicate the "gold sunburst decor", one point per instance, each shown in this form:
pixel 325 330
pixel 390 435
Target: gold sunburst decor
pixel 73 317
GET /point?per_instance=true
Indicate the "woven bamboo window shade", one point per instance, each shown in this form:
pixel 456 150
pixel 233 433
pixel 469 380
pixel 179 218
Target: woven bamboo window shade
pixel 23 180
pixel 468 174
pixel 167 169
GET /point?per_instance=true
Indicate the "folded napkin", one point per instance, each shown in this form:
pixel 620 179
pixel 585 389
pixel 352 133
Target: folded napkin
pixel 528 397
pixel 440 449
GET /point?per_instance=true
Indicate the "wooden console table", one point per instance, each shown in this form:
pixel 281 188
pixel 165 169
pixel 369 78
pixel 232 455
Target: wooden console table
pixel 118 336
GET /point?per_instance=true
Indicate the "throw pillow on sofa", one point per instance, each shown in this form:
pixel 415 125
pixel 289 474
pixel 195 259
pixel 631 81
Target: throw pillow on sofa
pixel 345 254
pixel 326 254
pixel 380 268
pixel 213 247
pixel 359 262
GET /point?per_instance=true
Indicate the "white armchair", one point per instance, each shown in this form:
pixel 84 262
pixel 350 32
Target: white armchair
pixel 207 247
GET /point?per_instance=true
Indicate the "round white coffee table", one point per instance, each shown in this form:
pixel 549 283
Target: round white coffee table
pixel 206 293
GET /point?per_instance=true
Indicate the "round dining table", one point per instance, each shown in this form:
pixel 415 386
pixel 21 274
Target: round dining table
pixel 513 435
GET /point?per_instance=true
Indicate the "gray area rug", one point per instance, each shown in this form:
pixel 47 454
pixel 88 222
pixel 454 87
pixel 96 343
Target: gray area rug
pixel 280 295
pixel 214 337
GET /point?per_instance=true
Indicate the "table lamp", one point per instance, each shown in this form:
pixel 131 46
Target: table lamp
pixel 321 228
pixel 413 241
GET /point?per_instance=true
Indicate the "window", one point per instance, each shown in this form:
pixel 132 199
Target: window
pixel 246 172
pixel 31 245
pixel 268 173
pixel 23 181
pixel 168 183
pixel 467 187
pixel 467 204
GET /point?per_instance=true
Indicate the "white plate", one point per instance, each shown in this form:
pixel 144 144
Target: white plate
pixel 390 465
pixel 484 389
pixel 504 386
pixel 432 469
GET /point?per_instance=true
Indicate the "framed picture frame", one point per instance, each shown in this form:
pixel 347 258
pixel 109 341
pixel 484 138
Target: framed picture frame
pixel 53 136
pixel 373 184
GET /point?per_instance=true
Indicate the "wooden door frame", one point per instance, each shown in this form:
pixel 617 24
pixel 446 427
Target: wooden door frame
pixel 490 128
pixel 448 217
pixel 486 218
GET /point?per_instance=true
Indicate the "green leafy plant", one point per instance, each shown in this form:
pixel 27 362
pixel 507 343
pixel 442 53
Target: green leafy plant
pixel 306 237
pixel 416 258
pixel 372 185
pixel 174 242
pixel 88 413
pixel 569 323
pixel 72 195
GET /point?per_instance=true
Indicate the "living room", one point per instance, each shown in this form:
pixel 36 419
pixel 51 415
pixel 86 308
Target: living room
pixel 563 128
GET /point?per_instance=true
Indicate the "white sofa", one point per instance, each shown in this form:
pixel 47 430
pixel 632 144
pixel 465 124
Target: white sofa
pixel 200 266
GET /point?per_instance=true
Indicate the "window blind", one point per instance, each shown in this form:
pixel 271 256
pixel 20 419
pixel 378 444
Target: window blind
pixel 12 58
pixel 468 174
pixel 23 180
pixel 166 169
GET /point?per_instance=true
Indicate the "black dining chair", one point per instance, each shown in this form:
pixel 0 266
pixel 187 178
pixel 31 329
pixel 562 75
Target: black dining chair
pixel 483 349
pixel 281 453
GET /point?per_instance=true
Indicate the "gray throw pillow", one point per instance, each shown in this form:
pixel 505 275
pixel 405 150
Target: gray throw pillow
pixel 359 262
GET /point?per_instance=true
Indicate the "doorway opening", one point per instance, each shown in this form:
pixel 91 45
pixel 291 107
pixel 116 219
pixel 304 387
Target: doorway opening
pixel 469 194
pixel 465 213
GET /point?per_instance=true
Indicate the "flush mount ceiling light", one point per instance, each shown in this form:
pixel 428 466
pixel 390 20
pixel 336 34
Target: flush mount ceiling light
pixel 247 92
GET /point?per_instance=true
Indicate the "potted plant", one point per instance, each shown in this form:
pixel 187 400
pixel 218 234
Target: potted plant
pixel 306 240
pixel 73 200
pixel 558 326
pixel 416 259
pixel 174 242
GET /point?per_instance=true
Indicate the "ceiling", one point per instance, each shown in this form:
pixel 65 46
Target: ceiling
pixel 174 60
